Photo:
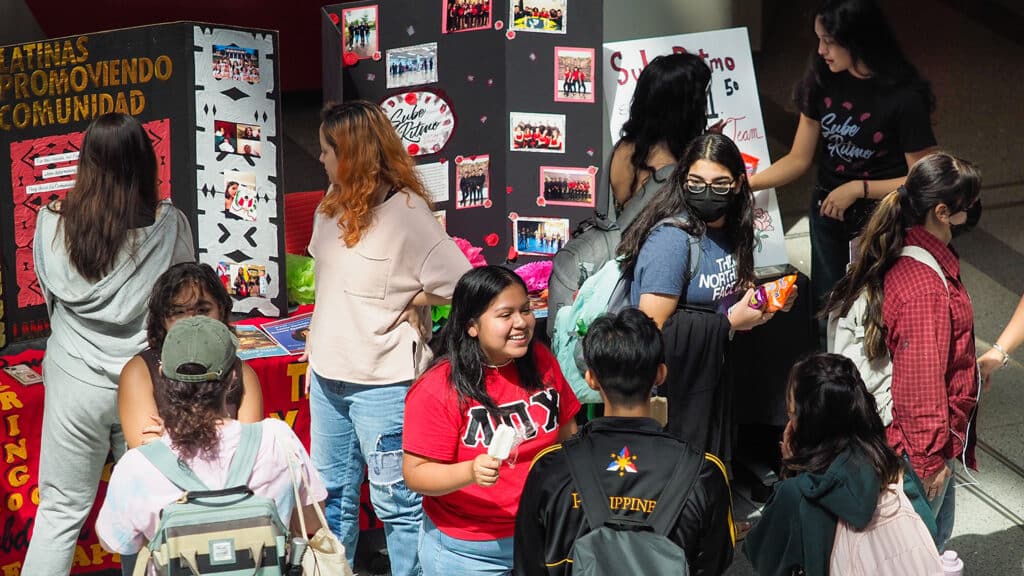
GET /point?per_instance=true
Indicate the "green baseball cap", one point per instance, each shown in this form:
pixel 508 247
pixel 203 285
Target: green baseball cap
pixel 198 340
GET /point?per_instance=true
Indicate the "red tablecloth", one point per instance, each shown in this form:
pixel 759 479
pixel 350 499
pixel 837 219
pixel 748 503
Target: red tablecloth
pixel 21 419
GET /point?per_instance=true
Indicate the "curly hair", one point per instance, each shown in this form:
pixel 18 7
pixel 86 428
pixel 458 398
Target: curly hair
pixel 191 411
pixel 184 275
pixel 369 154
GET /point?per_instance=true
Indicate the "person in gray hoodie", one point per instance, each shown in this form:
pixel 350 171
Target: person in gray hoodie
pixel 97 254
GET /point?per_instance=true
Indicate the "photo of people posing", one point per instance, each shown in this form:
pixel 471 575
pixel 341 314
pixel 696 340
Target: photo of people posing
pixel 234 63
pixel 466 15
pixel 412 65
pixel 240 196
pixel 472 182
pixel 537 132
pixel 540 236
pixel 234 138
pixel 574 74
pixel 359 31
pixel 567 186
pixel 538 16
pixel 243 280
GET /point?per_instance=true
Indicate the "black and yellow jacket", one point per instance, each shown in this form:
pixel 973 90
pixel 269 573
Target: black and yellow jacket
pixel 637 462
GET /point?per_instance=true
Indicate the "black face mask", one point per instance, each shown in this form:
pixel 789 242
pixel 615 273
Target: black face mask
pixel 708 206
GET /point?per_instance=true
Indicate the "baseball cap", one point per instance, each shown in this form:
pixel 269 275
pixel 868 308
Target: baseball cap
pixel 198 340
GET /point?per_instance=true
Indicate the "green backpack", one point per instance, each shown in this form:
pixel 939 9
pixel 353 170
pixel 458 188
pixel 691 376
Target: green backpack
pixel 225 532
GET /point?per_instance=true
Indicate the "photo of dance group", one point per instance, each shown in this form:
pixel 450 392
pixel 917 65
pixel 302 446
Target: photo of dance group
pixel 539 16
pixel 412 65
pixel 234 138
pixel 567 186
pixel 472 182
pixel 465 15
pixel 540 236
pixel 359 29
pixel 574 74
pixel 537 132
pixel 234 63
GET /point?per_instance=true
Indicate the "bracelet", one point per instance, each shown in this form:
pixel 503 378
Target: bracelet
pixel 1006 357
pixel 865 188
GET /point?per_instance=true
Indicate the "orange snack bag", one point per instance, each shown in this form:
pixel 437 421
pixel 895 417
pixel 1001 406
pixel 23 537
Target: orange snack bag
pixel 772 296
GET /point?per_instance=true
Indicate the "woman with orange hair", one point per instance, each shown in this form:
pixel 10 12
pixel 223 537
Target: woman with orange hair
pixel 381 258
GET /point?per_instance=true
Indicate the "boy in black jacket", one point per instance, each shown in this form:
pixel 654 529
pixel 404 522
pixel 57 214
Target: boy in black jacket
pixel 625 357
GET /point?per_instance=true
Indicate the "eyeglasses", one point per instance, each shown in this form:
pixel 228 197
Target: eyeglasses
pixel 698 186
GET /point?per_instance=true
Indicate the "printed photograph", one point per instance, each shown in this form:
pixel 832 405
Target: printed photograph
pixel 537 132
pixel 235 138
pixel 240 196
pixel 412 65
pixel 472 182
pixel 235 63
pixel 243 280
pixel 359 31
pixel 254 343
pixel 574 74
pixel 466 15
pixel 567 186
pixel 538 16
pixel 540 236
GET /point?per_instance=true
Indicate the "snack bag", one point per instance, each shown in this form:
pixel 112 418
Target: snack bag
pixel 772 296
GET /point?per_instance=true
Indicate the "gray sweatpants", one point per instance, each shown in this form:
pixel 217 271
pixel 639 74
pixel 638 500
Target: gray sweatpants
pixel 80 426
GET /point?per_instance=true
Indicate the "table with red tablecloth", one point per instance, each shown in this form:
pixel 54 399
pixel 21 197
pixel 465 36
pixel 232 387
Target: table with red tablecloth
pixel 282 379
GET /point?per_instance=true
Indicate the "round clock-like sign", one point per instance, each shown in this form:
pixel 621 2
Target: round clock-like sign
pixel 424 120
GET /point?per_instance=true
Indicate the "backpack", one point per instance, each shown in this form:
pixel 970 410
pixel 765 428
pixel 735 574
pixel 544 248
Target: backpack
pixel 216 531
pixel 846 336
pixel 594 243
pixel 895 542
pixel 616 544
pixel 606 292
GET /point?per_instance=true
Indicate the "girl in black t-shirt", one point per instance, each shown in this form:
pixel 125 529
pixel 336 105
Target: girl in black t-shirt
pixel 867 110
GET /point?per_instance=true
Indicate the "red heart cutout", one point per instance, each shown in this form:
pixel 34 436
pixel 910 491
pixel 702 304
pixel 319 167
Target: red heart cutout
pixel 511 34
pixel 498 24
pixel 491 239
pixel 512 254
pixel 459 159
pixel 414 149
pixel 508 189
pixel 411 98
pixel 334 19
pixel 591 170
pixel 487 203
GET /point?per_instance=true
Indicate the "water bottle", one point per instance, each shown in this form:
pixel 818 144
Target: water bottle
pixel 952 565
pixel 296 549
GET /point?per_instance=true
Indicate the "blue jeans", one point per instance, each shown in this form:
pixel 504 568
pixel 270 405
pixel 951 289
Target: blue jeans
pixel 355 428
pixel 442 555
pixel 944 508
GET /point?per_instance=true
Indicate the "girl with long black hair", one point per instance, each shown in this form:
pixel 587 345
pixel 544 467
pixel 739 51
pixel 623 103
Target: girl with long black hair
pixel 488 371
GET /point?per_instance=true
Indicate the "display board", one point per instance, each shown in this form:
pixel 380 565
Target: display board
pixel 51 90
pixel 732 100
pixel 495 101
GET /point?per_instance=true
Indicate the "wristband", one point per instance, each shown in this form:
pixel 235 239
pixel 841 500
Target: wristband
pixel 865 188
pixel 1006 357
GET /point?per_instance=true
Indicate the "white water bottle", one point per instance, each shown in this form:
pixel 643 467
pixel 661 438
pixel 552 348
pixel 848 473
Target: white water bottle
pixel 952 565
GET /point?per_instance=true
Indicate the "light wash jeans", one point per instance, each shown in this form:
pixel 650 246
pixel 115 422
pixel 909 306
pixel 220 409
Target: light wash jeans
pixel 944 508
pixel 355 428
pixel 442 555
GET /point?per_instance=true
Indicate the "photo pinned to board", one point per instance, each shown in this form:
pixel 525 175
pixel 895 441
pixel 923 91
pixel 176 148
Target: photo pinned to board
pixel 359 31
pixel 423 119
pixel 237 138
pixel 529 132
pixel 240 196
pixel 566 186
pixel 539 236
pixel 574 74
pixel 236 63
pixel 412 65
pixel 546 16
pixel 472 181
pixel 466 15
pixel 243 280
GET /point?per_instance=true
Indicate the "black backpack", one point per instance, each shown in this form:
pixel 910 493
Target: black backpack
pixel 616 544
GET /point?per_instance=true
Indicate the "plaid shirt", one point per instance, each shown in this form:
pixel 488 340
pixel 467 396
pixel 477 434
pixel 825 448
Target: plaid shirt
pixel 934 373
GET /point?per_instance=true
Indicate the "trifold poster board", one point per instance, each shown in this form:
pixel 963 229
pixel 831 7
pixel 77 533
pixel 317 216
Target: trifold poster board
pixel 208 97
pixel 733 100
pixel 495 99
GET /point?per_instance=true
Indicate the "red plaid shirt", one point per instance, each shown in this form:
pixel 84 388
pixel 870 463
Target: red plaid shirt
pixel 934 372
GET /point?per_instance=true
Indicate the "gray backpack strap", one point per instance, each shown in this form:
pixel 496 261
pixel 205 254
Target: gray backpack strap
pixel 925 257
pixel 245 455
pixel 167 462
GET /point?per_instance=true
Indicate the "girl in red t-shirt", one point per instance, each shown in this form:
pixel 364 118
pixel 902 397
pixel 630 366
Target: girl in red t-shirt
pixel 489 371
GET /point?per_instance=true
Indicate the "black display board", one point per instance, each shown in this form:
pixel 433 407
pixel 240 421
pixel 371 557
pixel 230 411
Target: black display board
pixel 490 73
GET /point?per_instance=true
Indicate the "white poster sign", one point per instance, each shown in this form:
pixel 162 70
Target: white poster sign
pixel 733 100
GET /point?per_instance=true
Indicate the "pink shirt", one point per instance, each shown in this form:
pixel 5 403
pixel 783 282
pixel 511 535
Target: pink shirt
pixel 138 491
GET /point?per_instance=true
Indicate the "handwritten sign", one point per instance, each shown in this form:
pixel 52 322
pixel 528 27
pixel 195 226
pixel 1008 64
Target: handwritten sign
pixel 732 100
pixel 424 120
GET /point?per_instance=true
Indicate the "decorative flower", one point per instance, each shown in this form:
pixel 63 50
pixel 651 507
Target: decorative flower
pixel 473 254
pixel 763 220
pixel 535 274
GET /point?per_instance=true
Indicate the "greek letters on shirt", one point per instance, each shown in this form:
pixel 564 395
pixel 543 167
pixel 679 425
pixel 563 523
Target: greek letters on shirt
pixel 722 281
pixel 540 412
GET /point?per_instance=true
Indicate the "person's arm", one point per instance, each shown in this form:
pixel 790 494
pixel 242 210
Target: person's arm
pixel 620 173
pixel 310 516
pixel 660 307
pixel 251 409
pixel 136 405
pixel 566 430
pixel 426 299
pixel 434 478
pixel 1009 340
pixel 844 195
pixel 794 164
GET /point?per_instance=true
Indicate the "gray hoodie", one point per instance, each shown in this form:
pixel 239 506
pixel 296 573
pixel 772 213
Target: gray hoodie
pixel 100 325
